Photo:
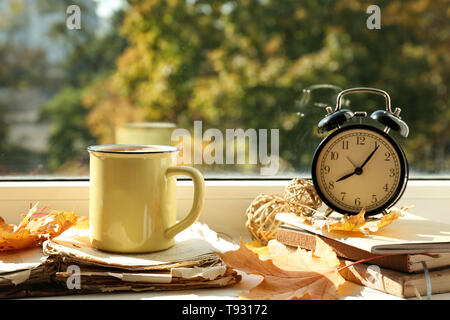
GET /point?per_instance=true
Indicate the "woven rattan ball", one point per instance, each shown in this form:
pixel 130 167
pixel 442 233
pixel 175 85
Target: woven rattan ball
pixel 301 197
pixel 261 213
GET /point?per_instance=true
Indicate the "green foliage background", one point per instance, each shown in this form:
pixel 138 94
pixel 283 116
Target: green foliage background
pixel 244 64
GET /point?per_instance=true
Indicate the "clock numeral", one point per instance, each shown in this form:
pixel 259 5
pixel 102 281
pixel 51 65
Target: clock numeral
pixel 343 195
pixel 376 144
pixel 331 185
pixel 334 155
pixel 360 140
pixel 385 188
pixel 345 145
pixel 326 169
pixel 374 198
pixel 388 156
pixel 357 202
pixel 391 172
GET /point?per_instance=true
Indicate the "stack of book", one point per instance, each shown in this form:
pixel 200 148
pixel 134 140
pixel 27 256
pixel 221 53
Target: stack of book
pixel 409 258
pixel 68 265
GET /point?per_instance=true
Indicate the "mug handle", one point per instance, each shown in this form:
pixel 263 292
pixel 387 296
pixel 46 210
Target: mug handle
pixel 199 195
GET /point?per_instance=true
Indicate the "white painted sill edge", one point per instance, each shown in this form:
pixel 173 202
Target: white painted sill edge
pixel 225 201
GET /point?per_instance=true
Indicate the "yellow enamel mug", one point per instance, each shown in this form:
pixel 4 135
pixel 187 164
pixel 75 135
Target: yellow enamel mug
pixel 132 204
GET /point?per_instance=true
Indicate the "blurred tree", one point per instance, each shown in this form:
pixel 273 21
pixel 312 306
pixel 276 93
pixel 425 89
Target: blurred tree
pixel 109 110
pixel 92 57
pixel 244 63
pixel 3 137
pixel 22 68
pixel 238 64
pixel 68 133
pixel 71 39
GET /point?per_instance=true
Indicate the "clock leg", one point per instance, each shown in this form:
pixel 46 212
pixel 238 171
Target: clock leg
pixel 384 212
pixel 328 212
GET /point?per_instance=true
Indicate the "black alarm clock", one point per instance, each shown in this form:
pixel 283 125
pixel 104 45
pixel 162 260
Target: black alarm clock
pixel 359 166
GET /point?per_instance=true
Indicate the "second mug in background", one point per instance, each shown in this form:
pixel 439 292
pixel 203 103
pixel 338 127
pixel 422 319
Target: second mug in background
pixel 154 133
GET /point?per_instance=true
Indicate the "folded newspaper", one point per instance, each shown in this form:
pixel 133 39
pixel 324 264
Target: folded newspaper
pixel 68 265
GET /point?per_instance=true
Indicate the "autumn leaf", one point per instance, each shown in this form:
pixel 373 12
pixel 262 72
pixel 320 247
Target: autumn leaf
pixel 358 223
pixel 349 223
pixel 322 259
pixel 34 230
pixel 9 239
pixel 285 280
pixel 256 247
pixel 27 218
pixel 391 216
pixel 82 223
pixel 354 223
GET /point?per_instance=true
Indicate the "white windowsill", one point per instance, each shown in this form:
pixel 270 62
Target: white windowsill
pixel 225 200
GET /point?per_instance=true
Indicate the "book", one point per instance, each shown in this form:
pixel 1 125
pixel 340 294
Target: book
pixel 408 235
pixel 293 236
pixel 400 284
pixel 382 274
pixel 191 263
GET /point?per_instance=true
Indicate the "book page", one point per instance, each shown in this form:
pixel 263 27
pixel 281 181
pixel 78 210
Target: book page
pixel 409 234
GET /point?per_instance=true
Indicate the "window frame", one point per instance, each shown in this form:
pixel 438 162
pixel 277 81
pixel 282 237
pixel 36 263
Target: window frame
pixel 226 200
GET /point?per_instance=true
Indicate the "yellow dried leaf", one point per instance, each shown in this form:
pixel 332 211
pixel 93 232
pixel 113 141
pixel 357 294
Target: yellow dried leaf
pixel 356 223
pixel 256 247
pixel 374 226
pixel 10 240
pixel 82 223
pixel 349 223
pixel 389 218
pixel 326 253
pixel 32 231
pixel 27 218
pixel 323 259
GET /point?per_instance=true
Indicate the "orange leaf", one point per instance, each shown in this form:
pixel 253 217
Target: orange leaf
pixel 256 247
pixel 32 231
pixel 82 223
pixel 349 223
pixel 393 214
pixel 10 240
pixel 279 283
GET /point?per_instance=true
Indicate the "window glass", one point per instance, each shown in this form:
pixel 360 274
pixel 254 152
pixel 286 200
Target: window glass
pixel 239 85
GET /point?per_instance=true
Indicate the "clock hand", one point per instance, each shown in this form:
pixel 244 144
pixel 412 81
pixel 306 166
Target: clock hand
pixel 346 176
pixel 358 170
pixel 368 158
pixel 350 160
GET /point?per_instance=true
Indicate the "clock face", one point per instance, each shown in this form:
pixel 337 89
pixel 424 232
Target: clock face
pixel 359 167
